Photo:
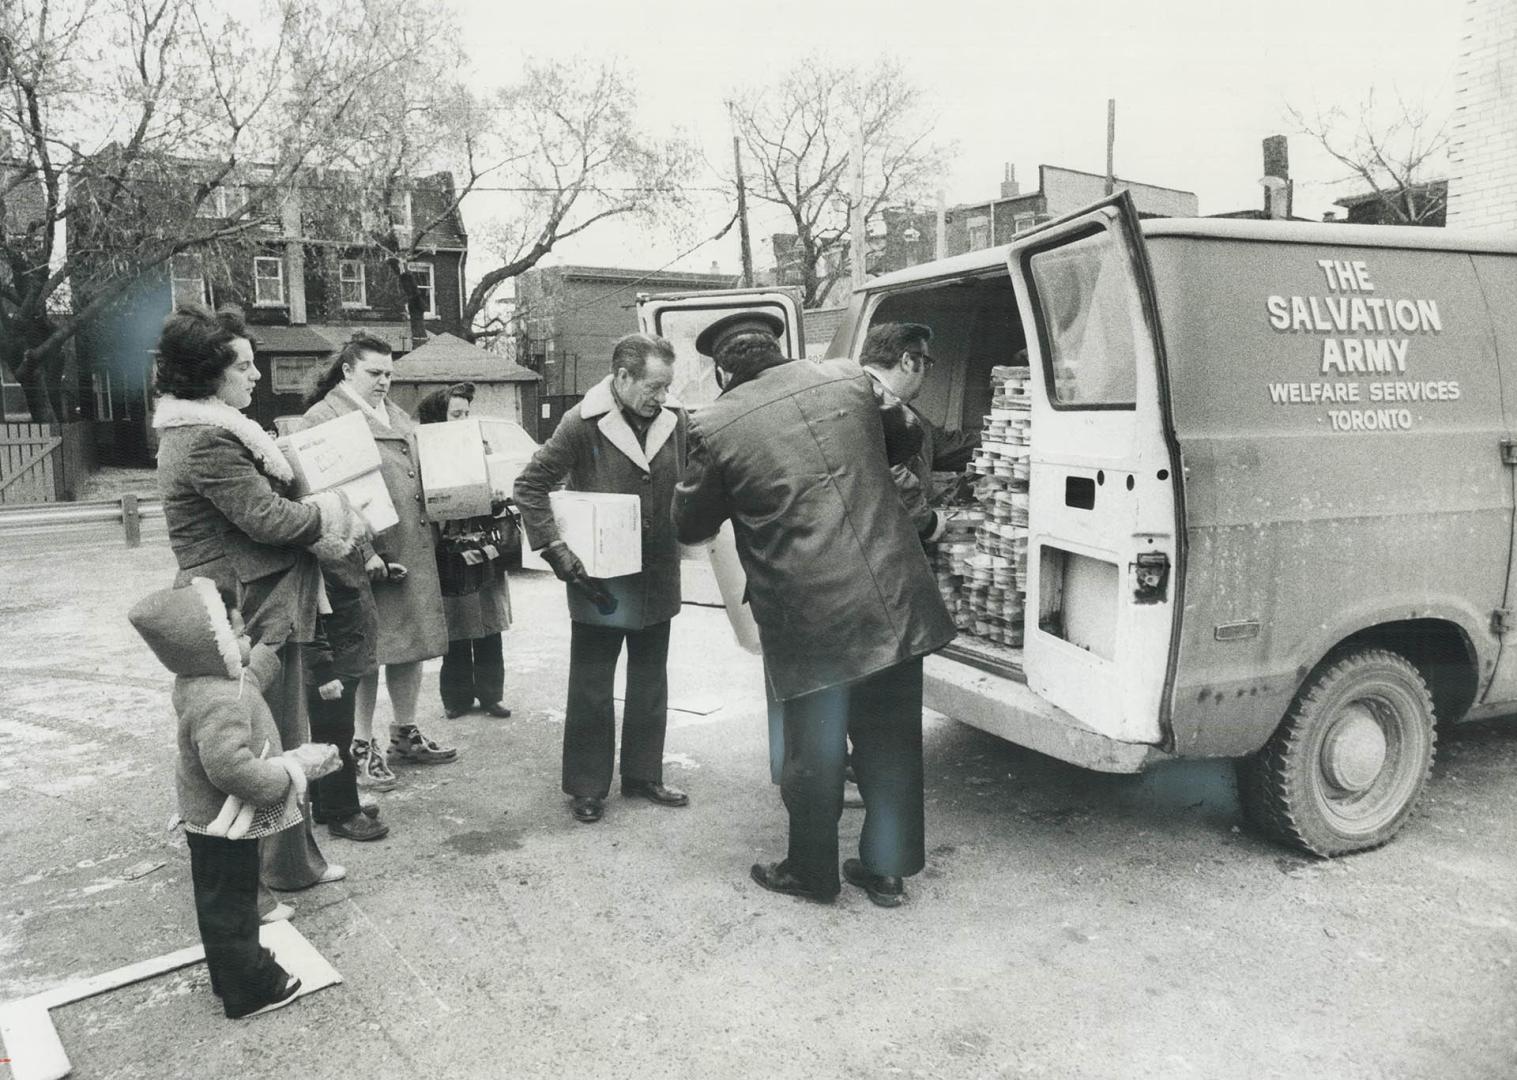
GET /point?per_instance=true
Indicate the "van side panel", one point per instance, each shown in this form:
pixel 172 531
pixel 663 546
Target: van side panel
pixel 1339 417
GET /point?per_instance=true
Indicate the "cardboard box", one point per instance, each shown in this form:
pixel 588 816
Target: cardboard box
pixel 369 494
pixel 327 455
pixel 604 530
pixel 455 482
pixel 508 448
pixel 341 455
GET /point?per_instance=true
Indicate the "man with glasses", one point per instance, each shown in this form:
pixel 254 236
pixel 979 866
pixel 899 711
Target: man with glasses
pixel 898 357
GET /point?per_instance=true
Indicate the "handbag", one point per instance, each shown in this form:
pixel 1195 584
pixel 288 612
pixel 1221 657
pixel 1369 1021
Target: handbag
pixel 469 559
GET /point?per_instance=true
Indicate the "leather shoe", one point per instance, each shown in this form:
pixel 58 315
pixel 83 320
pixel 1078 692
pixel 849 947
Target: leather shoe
pixel 454 714
pixel 884 890
pixel 359 827
pixel 776 877
pixel 654 792
pixel 495 708
pixel 587 808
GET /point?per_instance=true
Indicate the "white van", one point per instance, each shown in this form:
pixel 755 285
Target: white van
pixel 1270 506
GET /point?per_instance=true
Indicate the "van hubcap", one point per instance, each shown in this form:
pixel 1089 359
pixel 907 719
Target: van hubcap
pixel 1354 753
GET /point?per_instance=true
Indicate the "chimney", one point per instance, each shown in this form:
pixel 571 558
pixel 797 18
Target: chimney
pixel 1009 186
pixel 1278 188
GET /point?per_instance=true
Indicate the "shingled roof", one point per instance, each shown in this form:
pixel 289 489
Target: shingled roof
pixel 445 358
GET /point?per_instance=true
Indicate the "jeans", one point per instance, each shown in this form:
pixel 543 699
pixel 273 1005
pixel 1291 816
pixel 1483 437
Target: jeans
pixel 881 714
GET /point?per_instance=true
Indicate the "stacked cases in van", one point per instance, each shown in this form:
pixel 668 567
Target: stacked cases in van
pixel 981 560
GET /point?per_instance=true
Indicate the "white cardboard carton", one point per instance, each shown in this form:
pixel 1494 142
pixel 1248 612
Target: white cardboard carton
pixel 340 455
pixel 455 482
pixel 604 530
pixel 508 448
pixel 329 454
pixel 369 494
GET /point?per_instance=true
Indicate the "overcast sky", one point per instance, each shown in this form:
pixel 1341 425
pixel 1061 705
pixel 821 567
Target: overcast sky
pixel 1198 83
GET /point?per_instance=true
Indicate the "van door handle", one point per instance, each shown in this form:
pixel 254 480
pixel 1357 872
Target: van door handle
pixel 1150 577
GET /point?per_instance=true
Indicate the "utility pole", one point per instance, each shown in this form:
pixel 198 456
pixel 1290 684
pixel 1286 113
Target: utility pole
pixel 941 249
pixel 742 215
pixel 1111 145
pixel 856 222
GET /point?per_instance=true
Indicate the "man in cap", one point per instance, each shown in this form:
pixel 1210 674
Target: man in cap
pixel 795 454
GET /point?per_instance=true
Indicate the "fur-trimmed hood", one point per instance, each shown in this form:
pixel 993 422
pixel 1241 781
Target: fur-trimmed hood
pixel 600 407
pixel 188 630
pixel 171 412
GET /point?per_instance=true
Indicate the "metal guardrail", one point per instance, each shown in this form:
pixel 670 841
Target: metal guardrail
pixel 129 510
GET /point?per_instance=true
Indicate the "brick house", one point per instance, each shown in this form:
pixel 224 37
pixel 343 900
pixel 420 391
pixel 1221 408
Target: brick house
pixel 907 236
pixel 1483 143
pixel 304 285
pixel 569 316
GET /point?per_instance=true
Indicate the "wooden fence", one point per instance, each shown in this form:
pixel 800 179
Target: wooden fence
pixel 43 462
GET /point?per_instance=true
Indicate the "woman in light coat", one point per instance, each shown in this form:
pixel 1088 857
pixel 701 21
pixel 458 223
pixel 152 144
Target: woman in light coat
pixel 401 562
pixel 224 486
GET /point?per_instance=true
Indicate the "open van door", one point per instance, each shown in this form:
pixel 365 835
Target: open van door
pixel 680 317
pixel 1104 543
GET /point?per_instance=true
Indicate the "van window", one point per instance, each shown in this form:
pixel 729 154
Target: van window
pixel 1091 321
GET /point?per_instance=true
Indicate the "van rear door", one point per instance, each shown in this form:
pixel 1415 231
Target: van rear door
pixel 680 317
pixel 1104 543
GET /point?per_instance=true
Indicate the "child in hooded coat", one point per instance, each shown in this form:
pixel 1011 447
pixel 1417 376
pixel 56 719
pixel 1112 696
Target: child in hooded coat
pixel 229 756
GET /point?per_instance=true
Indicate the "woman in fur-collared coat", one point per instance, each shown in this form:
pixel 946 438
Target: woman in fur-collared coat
pixel 224 485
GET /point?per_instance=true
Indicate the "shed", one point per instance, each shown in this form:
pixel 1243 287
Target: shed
pixel 503 388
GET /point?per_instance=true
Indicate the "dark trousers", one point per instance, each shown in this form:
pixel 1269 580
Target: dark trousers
pixel 473 668
pixel 590 720
pixel 334 797
pixel 882 715
pixel 225 877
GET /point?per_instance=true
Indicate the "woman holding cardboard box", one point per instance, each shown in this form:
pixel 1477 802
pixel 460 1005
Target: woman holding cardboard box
pixel 225 487
pixel 476 595
pixel 401 563
pixel 626 438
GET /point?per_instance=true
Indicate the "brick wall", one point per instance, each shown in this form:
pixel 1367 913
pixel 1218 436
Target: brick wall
pixel 1483 151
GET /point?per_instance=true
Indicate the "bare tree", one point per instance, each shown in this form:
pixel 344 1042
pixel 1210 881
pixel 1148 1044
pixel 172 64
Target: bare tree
pixel 1394 152
pixel 800 134
pixel 424 142
pixel 577 158
pixel 156 129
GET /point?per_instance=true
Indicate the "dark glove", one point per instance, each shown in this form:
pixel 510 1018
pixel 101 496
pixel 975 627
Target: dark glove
pixel 566 564
pixel 903 433
pixel 598 594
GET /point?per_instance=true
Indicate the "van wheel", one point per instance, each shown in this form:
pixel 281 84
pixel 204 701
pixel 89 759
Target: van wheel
pixel 1345 767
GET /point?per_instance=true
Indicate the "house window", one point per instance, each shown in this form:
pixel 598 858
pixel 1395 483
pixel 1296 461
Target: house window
pixel 421 274
pixel 979 233
pixel 1023 222
pixel 400 209
pixel 213 205
pixel 293 374
pixel 355 292
pixel 268 280
pixel 188 283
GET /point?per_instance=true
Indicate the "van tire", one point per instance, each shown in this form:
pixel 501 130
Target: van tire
pixel 1315 785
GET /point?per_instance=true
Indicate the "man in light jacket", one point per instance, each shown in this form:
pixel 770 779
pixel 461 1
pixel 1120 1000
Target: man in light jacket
pixel 795 454
pixel 625 436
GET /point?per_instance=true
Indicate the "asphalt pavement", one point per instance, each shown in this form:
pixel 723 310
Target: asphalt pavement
pixel 1068 924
